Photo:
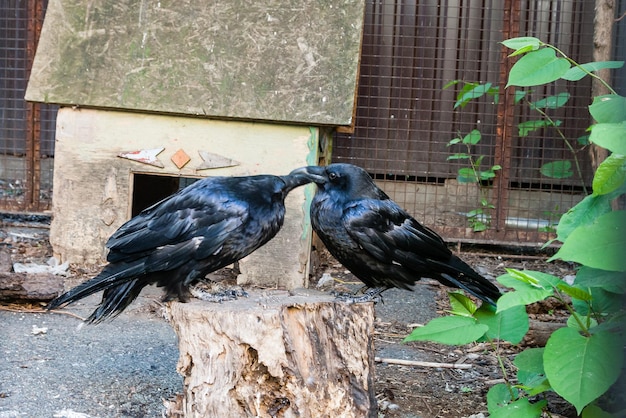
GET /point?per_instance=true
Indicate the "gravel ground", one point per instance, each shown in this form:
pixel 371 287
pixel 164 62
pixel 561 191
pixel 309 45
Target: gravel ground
pixel 55 367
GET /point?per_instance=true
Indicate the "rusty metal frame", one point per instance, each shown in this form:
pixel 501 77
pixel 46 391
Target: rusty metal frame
pixel 33 113
pixel 31 200
pixel 505 119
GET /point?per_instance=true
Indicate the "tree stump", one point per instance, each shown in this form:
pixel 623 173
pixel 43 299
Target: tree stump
pixel 275 355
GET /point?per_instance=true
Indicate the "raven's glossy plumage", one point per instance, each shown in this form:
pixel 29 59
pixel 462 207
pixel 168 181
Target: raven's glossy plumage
pixel 210 224
pixel 378 241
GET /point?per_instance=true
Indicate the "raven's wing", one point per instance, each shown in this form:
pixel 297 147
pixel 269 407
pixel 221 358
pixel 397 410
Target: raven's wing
pixel 192 224
pixel 393 237
pixel 390 234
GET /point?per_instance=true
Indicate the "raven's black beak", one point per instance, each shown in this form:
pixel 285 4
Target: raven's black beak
pixel 313 173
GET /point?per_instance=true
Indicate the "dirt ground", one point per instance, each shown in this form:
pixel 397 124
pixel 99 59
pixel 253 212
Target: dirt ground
pixel 407 391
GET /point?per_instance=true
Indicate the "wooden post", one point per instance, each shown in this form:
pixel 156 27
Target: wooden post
pixel 275 355
pixel 603 23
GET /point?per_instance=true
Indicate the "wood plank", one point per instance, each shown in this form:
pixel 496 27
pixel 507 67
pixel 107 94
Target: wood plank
pixel 265 59
pixel 29 287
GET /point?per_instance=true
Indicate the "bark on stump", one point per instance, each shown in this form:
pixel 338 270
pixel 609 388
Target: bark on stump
pixel 275 355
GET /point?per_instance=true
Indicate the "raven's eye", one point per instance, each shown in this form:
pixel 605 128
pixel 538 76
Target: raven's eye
pixel 332 176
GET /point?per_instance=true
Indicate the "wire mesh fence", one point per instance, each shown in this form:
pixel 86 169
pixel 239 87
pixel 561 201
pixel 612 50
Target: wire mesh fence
pixel 26 129
pixel 418 58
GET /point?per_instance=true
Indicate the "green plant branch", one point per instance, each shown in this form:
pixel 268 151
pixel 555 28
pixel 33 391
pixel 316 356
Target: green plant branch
pixel 475 168
pixel 589 73
pixel 567 144
pixel 590 313
pixel 505 376
pixel 476 222
pixel 558 296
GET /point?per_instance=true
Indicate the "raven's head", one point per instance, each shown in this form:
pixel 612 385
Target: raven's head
pixel 348 179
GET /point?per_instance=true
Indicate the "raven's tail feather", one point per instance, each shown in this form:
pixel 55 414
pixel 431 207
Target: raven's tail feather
pixel 115 300
pixel 489 294
pixel 119 283
pixel 462 276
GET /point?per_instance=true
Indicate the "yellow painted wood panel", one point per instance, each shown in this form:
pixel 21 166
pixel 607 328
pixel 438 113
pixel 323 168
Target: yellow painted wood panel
pixel 93 186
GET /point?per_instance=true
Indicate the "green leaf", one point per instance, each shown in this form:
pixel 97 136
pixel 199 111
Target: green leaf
pixel 579 368
pixel 530 287
pixel 530 360
pixel 577 73
pixel 499 396
pixel 451 83
pixel 585 212
pixel 473 93
pixel 450 330
pixel 560 169
pixel 459 156
pixel 536 384
pixel 594 411
pixel 583 140
pixel 551 102
pixel 610 136
pixel 472 138
pixel 467 175
pixel 599 244
pixel 526 127
pixel 589 322
pixel 509 325
pixel 575 292
pixel 615 323
pixel 479 226
pixel 454 141
pixel 461 304
pixel 519 95
pixel 486 175
pixel 538 67
pixel 517 278
pixel 522 298
pixel 525 43
pixel 609 108
pixel 602 301
pixel 530 373
pixel 521 408
pixel 610 175
pixel 611 281
pixel 466 87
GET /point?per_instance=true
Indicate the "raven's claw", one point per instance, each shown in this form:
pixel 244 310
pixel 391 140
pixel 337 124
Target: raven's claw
pixel 217 295
pixel 373 294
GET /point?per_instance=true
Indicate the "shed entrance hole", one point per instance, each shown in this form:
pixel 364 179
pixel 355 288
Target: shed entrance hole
pixel 149 189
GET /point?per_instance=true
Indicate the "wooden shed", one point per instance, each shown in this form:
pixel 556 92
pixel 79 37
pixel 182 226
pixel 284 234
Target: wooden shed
pixel 155 92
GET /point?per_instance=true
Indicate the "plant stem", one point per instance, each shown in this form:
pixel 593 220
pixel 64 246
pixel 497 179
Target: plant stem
pixel 494 347
pixel 567 143
pixel 574 63
pixel 557 295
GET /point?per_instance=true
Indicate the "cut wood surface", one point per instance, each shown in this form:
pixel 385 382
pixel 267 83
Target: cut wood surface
pixel 275 355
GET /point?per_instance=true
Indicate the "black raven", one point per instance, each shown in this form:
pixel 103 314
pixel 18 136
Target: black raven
pixel 210 224
pixel 378 241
